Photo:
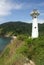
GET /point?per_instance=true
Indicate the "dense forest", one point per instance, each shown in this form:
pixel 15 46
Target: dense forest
pixel 17 28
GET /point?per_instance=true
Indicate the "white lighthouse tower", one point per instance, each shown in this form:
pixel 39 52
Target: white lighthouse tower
pixel 35 14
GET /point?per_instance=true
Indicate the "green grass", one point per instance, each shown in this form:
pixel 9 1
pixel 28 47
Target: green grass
pixel 17 52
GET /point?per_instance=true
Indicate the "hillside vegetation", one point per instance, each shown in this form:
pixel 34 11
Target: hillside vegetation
pixel 17 28
pixel 22 48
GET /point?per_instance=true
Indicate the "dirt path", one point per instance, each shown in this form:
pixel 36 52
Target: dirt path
pixel 30 63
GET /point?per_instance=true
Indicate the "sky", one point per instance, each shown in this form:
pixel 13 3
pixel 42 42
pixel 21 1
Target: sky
pixel 19 10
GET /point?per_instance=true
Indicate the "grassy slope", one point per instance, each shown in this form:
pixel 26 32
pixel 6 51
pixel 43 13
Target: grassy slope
pixel 9 56
pixel 17 52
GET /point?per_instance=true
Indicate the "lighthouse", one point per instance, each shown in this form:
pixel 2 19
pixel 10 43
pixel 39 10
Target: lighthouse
pixel 35 13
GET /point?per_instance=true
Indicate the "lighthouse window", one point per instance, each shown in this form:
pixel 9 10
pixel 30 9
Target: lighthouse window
pixel 35 27
pixel 35 16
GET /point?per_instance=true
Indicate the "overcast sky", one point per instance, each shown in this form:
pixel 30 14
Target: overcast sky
pixel 19 10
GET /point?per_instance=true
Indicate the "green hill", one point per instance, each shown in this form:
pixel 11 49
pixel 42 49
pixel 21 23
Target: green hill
pixel 22 47
pixel 17 28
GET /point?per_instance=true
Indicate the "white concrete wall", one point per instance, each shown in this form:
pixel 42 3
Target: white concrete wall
pixel 34 28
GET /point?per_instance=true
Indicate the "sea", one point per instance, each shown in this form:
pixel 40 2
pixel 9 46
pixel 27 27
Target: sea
pixel 4 41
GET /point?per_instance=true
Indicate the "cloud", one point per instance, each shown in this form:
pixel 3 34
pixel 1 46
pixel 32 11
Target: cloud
pixel 41 21
pixel 42 14
pixel 6 6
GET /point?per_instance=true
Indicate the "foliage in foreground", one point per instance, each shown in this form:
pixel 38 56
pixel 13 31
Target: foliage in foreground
pixel 34 50
pixel 17 52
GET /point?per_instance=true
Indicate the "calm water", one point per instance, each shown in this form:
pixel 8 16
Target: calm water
pixel 3 43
